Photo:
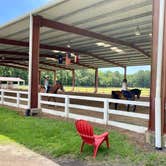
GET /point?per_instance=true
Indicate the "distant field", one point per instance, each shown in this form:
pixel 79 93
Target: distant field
pixel 145 91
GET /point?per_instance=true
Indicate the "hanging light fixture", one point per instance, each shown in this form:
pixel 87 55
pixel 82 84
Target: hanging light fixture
pixel 137 31
pixel 60 59
pixel 68 55
pixel 3 58
pixel 68 46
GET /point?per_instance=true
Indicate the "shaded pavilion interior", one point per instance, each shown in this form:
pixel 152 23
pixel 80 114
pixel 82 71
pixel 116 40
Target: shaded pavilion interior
pixel 82 24
pixel 87 23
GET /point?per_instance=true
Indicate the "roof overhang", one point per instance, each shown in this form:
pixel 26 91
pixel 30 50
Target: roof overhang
pixel 83 25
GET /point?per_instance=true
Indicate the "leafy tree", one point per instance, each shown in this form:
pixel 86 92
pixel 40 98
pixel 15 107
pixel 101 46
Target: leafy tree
pixel 85 77
pixel 13 72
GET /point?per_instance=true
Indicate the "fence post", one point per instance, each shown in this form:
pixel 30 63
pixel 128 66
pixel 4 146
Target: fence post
pixel 39 100
pixel 67 100
pixel 2 96
pixel 106 107
pixel 18 98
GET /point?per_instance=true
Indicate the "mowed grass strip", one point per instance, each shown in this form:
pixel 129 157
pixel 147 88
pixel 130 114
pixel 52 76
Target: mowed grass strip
pixel 56 138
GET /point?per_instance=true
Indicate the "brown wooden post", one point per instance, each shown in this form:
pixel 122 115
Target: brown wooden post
pixel 96 80
pixel 39 76
pixel 125 72
pixel 34 60
pixel 151 126
pixel 73 80
pixel 157 129
pixel 54 76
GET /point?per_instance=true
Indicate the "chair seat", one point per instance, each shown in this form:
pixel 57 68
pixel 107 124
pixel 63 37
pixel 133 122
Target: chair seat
pixel 85 130
pixel 100 138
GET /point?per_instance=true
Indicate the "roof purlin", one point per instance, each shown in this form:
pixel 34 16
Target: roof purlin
pixel 24 54
pixel 68 28
pixel 44 46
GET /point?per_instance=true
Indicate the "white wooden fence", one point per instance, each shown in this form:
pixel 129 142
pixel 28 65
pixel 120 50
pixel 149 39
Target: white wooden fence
pixel 52 107
pixel 14 98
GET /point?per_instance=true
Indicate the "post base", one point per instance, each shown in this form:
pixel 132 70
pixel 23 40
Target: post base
pixel 33 111
pixel 150 139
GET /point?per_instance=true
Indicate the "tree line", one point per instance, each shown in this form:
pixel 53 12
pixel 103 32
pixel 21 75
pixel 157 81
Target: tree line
pixel 85 77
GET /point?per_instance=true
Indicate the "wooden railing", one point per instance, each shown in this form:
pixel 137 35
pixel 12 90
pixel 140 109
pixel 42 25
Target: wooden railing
pixel 14 98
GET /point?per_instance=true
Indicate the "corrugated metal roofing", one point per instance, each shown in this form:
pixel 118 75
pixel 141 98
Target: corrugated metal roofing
pixel 113 18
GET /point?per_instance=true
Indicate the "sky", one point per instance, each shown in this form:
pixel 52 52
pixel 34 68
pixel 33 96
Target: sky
pixel 130 70
pixel 12 9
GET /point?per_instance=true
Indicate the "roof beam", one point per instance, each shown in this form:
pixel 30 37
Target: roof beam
pixel 48 47
pixel 84 65
pixel 13 59
pixel 71 29
pixel 10 60
pixel 24 54
pixel 40 68
pixel 14 64
pixel 10 65
pixel 2 52
pixel 62 67
pixel 66 49
pixel 14 42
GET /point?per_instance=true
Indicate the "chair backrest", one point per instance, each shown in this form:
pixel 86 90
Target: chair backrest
pixel 85 130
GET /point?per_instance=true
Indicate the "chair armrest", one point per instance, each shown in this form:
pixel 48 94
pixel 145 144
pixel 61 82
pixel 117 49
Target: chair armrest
pixel 102 135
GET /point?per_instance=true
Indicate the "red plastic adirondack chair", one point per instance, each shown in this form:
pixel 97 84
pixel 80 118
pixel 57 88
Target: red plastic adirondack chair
pixel 85 130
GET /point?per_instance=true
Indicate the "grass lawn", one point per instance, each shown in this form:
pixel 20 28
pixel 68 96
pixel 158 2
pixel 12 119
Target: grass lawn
pixel 55 138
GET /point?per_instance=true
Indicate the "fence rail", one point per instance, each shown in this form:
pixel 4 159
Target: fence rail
pixel 68 106
pixel 16 100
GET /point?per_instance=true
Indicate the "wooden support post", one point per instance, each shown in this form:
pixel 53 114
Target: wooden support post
pixel 125 72
pixel 157 121
pixel 73 80
pixel 34 61
pixel 96 80
pixel 39 76
pixel 154 65
pixel 54 76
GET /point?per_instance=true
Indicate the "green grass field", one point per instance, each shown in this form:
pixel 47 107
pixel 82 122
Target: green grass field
pixel 107 90
pixel 56 138
pixel 145 91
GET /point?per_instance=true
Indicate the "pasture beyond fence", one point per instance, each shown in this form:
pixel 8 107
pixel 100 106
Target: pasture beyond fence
pixel 68 105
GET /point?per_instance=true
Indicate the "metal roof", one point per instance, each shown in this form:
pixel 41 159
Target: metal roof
pixel 117 19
